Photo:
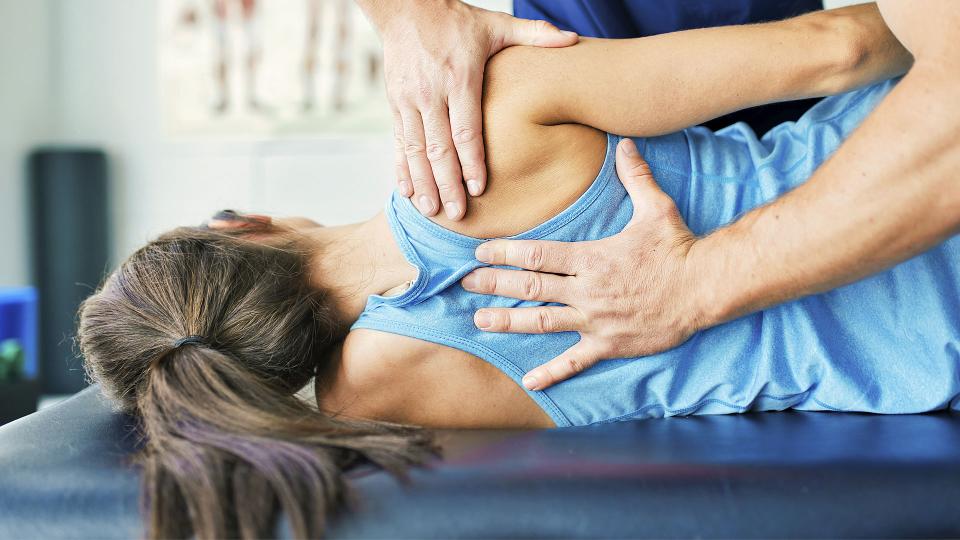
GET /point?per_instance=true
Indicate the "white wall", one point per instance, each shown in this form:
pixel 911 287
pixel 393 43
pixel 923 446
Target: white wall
pixel 86 72
pixel 107 68
pixel 25 120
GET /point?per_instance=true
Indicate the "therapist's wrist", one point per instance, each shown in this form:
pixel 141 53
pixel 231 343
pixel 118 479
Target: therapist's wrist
pixel 857 48
pixel 392 16
pixel 720 292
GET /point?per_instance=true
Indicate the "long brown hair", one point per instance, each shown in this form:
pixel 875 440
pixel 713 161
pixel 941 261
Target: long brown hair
pixel 228 445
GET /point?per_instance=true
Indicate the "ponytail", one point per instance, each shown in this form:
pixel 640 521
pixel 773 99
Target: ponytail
pixel 226 452
pixel 206 338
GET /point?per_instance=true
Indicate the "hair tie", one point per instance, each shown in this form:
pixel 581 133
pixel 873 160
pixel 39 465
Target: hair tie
pixel 189 340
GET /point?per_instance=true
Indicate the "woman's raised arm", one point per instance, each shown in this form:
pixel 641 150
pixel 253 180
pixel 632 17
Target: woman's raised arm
pixel 655 85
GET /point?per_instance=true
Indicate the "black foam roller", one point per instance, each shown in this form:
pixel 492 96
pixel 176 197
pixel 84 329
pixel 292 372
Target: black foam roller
pixel 70 245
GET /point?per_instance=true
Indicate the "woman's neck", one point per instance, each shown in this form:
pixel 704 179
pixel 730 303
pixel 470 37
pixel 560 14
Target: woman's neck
pixel 355 261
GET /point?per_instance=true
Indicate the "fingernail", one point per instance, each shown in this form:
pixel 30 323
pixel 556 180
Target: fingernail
pixel 426 206
pixel 628 147
pixel 469 282
pixel 568 33
pixel 484 253
pixel 406 189
pixel 473 187
pixel 483 320
pixel 452 209
pixel 530 382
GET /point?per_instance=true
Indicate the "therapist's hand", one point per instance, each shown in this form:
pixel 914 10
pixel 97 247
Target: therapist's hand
pixel 628 295
pixel 435 52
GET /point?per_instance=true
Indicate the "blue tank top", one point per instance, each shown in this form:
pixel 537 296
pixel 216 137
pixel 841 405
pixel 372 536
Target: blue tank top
pixel 886 344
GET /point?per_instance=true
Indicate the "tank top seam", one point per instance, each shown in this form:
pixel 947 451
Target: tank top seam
pixel 699 404
pixel 411 255
pixel 471 347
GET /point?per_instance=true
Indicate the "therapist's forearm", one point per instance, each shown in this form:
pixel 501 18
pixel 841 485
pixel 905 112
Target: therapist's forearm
pixel 655 85
pixel 830 52
pixel 890 192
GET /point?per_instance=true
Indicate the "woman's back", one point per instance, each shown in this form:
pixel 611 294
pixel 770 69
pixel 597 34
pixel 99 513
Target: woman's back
pixel 885 344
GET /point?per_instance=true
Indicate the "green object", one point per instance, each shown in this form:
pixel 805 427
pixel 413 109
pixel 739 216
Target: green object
pixel 12 360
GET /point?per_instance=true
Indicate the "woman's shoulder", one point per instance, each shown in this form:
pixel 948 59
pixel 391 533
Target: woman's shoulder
pixel 534 171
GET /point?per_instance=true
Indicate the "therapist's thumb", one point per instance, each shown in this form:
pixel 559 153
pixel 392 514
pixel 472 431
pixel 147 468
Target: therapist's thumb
pixel 536 33
pixel 637 178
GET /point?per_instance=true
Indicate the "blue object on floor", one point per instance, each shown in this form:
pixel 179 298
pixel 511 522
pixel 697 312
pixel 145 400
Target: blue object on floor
pixel 18 321
pixel 66 474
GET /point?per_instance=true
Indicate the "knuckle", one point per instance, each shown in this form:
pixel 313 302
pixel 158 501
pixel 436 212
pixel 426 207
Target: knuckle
pixel 575 365
pixel 544 321
pixel 639 169
pixel 470 170
pixel 423 94
pixel 548 372
pixel 492 282
pixel 532 286
pixel 541 27
pixel 456 76
pixel 500 321
pixel 487 281
pixel 464 134
pixel 413 149
pixel 533 257
pixel 421 184
pixel 661 206
pixel 448 190
pixel 448 67
pixel 437 151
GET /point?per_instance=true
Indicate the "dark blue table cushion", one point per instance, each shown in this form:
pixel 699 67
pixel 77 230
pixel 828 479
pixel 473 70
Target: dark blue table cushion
pixel 64 473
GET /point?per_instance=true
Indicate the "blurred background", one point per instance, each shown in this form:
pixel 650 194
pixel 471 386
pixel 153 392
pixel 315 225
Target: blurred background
pixel 120 119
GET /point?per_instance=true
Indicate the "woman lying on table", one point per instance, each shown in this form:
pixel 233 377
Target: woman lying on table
pixel 206 334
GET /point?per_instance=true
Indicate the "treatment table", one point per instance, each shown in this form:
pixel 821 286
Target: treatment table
pixel 64 473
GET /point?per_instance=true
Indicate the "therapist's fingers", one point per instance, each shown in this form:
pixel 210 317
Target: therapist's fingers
pixel 538 320
pixel 518 284
pixel 536 33
pixel 444 162
pixel 538 255
pixel 466 125
pixel 573 361
pixel 231 219
pixel 414 148
pixel 404 182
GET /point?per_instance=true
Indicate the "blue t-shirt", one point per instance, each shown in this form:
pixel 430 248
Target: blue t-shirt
pixel 619 19
pixel 887 344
